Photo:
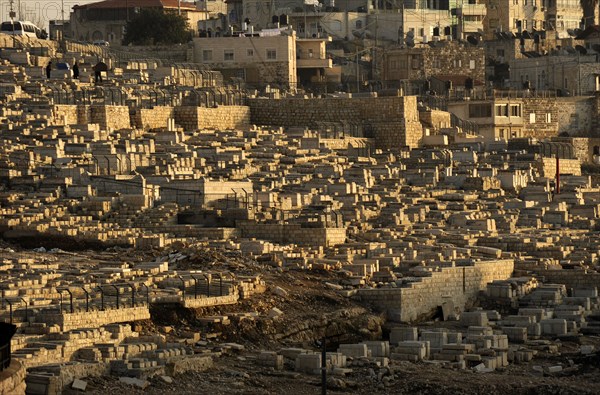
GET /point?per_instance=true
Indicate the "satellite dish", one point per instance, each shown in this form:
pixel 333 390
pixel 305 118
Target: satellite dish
pixel 472 40
pixel 581 49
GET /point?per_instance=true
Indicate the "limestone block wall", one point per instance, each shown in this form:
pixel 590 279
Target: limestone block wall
pixel 571 278
pixel 435 119
pixel 567 166
pixel 92 319
pixel 64 114
pixel 292 233
pixel 458 285
pixel 393 121
pixel 116 117
pixel 220 118
pixel 540 117
pixel 153 118
pixel 12 380
pixel 192 303
pixel 575 115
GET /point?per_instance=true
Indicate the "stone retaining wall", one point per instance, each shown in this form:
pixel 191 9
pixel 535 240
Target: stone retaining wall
pixel 220 118
pixel 192 303
pixel 457 285
pixel 392 121
pixel 115 117
pixel 12 380
pixel 571 278
pixel 293 233
pixel 153 118
pixel 567 166
pixel 93 319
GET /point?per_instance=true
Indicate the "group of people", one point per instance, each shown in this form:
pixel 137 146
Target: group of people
pixel 75 68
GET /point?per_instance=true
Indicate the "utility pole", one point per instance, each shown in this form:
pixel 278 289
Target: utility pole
pixel 357 73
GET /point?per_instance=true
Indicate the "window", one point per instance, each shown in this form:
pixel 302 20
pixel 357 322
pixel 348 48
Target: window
pixel 250 52
pixel 515 110
pixel 228 55
pixel 548 118
pixel 207 55
pixel 359 24
pixel 415 62
pixel 471 64
pixel 394 65
pixel 271 54
pixel 501 110
pixel 457 63
pixel 532 117
pixel 480 111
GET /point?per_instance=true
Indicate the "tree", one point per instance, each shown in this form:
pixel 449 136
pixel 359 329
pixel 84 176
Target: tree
pixel 153 26
pixel 589 12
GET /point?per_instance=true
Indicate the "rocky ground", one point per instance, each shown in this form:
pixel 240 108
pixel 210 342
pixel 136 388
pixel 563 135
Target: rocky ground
pixel 311 310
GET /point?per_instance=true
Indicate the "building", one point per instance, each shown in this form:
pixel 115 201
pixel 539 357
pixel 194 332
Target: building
pixel 106 20
pixel 505 115
pixel 568 73
pixel 258 60
pixel 312 63
pixel 517 16
pixel 438 58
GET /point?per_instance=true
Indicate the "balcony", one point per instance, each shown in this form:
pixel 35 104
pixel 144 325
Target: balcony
pixel 314 63
pixel 471 9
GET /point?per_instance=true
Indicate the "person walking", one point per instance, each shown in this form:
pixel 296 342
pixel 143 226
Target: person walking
pixel 48 70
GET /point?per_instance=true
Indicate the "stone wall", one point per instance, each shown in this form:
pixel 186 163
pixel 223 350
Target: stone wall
pixel 12 380
pixel 571 278
pixel 545 112
pixel 220 118
pixel 420 300
pixel 65 114
pixel 293 233
pixel 567 166
pixel 392 121
pixel 419 63
pixel 204 301
pixel 575 115
pixel 92 319
pixel 583 147
pixel 153 118
pixel 435 119
pixel 115 117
